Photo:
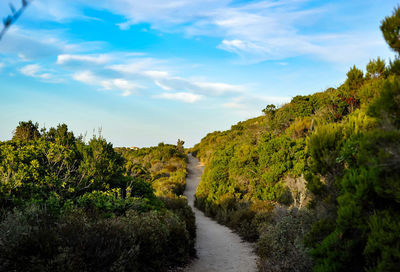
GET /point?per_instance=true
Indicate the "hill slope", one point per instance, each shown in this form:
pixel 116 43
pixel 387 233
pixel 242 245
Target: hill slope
pixel 316 181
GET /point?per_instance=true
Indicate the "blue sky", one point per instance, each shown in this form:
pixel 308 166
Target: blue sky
pixel 156 70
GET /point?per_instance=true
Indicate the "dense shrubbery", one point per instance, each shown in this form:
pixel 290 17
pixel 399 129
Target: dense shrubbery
pixel 164 167
pixel 32 240
pixel 334 155
pixel 70 206
pixel 366 232
pixel 280 245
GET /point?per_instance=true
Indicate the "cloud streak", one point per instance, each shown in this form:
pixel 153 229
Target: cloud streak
pixel 255 31
pixel 95 59
pixel 144 69
pixel 125 87
pixel 180 96
pixel 37 71
pixel 129 73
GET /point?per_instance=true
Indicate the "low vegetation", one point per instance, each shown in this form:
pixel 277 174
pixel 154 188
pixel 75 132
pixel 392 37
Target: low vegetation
pixel 67 205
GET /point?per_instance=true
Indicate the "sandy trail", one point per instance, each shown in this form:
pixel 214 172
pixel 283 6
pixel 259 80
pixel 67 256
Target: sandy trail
pixel 218 248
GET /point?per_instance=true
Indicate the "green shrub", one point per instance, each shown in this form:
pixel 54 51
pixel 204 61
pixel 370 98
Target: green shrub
pixel 152 241
pixel 281 242
pixel 70 206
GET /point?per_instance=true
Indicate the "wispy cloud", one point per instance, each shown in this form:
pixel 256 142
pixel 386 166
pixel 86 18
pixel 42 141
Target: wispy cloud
pixel 35 70
pixel 29 44
pixel 163 15
pixel 168 82
pixel 256 31
pixel 124 86
pixel 86 77
pixel 58 10
pixel 125 73
pixel 96 59
pixel 181 96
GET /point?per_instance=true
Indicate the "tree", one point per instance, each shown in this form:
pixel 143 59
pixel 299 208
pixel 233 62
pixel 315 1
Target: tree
pixel 390 28
pixel 376 68
pixel 101 165
pixel 26 131
pixel 61 135
pixel 355 78
pixel 269 110
pixel 179 145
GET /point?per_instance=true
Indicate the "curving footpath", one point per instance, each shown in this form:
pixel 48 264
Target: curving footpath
pixel 218 248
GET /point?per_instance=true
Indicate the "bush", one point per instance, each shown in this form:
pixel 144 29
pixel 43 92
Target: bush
pixel 70 206
pixel 280 246
pixel 151 241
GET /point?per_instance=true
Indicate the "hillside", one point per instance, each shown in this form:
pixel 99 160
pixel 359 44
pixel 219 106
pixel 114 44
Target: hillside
pixel 315 182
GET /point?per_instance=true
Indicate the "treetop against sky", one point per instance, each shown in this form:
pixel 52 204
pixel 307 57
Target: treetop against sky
pixel 156 70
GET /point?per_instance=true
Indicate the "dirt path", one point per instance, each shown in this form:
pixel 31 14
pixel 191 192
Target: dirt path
pixel 218 248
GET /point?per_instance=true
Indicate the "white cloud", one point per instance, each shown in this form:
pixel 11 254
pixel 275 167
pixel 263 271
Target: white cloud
pixel 170 83
pixel 86 77
pixel 218 88
pixel 124 85
pixel 156 74
pixel 35 70
pixel 96 59
pixel 110 84
pixel 162 86
pixel 256 30
pixel 181 96
pixel 162 14
pixel 32 44
pixel 137 66
pixel 2 65
pixel 165 80
pixel 127 72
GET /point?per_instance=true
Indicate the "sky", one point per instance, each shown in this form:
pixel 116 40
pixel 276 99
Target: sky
pixel 145 72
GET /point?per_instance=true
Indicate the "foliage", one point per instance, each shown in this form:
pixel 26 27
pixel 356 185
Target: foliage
pixel 163 166
pixel 339 149
pixel 387 105
pixel 69 205
pixel 366 187
pixel 150 241
pixel 280 245
pixel 390 29
pixel 355 78
pixel 367 205
pixel 376 68
pixel 26 131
